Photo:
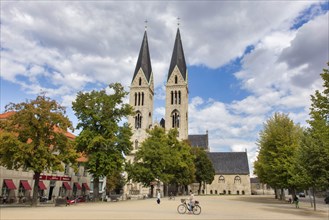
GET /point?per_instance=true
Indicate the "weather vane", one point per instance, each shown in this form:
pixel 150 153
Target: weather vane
pixel 145 24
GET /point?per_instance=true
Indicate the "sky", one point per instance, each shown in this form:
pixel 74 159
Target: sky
pixel 246 60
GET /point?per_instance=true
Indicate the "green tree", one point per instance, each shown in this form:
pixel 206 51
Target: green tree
pixel 278 140
pixel 311 160
pixel 205 171
pixel 115 182
pixel 34 138
pixel 151 160
pixel 102 139
pixel 182 161
pixel 162 158
pixel 319 131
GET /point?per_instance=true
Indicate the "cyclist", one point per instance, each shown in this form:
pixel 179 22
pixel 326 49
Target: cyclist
pixel 191 202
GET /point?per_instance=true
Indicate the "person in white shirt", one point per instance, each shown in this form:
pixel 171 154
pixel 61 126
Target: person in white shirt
pixel 158 197
pixel 191 201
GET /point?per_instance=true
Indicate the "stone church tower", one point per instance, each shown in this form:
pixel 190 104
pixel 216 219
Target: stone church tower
pixel 141 96
pixel 177 92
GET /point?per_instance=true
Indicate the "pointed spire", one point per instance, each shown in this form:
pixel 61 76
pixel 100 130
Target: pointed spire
pixel 144 60
pixel 178 57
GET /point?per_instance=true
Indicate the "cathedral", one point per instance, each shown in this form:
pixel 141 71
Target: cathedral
pixel 142 93
pixel 176 116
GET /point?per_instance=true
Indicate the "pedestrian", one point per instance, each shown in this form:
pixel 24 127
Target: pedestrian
pixel 296 201
pixel 158 197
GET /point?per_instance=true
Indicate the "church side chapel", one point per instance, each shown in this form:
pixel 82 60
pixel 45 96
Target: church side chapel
pixel 232 169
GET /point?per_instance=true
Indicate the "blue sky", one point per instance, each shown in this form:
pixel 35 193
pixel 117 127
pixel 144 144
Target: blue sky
pixel 246 59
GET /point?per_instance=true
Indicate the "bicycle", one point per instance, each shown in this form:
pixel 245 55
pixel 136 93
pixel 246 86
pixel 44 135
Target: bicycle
pixel 182 208
pixel 171 197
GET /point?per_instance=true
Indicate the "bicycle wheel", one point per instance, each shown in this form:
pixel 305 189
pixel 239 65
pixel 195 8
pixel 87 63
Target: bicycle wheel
pixel 181 209
pixel 196 210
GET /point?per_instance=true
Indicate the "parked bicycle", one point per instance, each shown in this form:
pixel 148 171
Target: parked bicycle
pixel 171 196
pixel 182 208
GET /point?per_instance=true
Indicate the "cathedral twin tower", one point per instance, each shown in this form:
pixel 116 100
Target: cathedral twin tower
pixel 142 94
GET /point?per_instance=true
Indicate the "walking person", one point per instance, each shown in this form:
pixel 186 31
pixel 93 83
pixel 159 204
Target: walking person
pixel 158 197
pixel 296 201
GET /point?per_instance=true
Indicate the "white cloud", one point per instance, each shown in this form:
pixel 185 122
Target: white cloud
pixel 65 47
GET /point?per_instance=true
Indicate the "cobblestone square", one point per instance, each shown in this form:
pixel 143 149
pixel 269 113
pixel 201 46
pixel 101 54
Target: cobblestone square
pixel 213 207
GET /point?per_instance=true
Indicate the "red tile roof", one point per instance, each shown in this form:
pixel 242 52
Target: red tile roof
pixel 8 114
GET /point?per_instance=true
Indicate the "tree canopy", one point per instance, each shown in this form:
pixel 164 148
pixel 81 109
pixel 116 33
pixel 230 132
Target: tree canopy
pixel 34 138
pixel 162 158
pixel 205 172
pixel 311 162
pixel 102 138
pixel 278 140
pixel 318 132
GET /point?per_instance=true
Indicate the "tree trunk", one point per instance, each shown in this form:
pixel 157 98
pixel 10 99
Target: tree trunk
pixel 310 196
pixel 186 189
pixel 165 189
pixel 152 190
pixel 199 190
pixel 313 194
pixel 96 189
pixel 35 195
pixel 293 193
pixel 283 197
pixel 276 193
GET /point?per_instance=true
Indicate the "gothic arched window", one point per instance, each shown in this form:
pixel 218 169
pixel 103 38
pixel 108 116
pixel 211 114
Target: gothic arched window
pixel 140 81
pixel 179 97
pixel 139 98
pixel 138 120
pixel 176 80
pixel 172 97
pixel 142 98
pixel 237 180
pixel 175 119
pixel 135 98
pixel 175 97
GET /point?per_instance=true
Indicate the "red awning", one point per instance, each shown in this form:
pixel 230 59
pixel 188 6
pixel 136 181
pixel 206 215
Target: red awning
pixel 77 185
pixel 10 184
pixel 85 185
pixel 67 186
pixel 42 185
pixel 26 185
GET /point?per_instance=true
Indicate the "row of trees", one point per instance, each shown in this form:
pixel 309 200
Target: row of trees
pixel 34 138
pixel 293 157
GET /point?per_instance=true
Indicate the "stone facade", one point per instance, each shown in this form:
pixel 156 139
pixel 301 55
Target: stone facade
pixel 177 104
pixel 258 188
pixel 229 184
pixel 231 173
pixel 141 98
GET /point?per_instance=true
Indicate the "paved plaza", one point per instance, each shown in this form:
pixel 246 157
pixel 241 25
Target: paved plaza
pixel 213 207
